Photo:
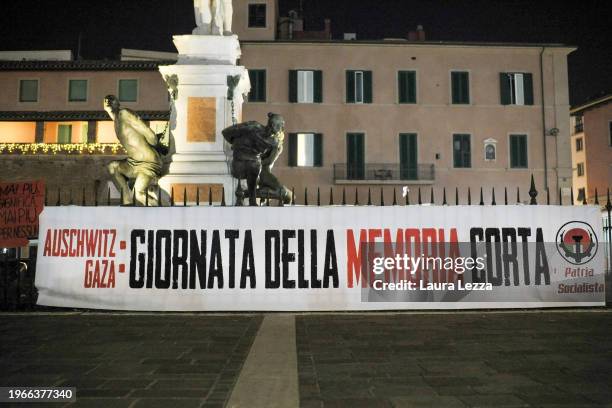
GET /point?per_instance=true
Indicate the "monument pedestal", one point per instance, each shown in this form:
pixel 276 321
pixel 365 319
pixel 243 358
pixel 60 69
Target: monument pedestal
pixel 200 111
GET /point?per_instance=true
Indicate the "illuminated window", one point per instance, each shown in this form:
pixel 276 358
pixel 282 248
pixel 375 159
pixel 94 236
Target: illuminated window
pixel 305 149
pixel 305 86
pixel 516 88
pixel 64 134
pixel 358 86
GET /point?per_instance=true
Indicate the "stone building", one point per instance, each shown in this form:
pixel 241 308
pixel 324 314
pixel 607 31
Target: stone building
pixel 592 148
pixel 359 114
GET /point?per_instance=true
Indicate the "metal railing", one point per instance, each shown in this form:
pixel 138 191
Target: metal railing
pixel 383 172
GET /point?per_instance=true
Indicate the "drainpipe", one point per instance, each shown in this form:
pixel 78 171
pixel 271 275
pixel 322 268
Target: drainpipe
pixel 543 118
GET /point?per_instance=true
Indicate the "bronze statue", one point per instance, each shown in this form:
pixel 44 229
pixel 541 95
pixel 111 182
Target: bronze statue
pixel 256 148
pixel 144 150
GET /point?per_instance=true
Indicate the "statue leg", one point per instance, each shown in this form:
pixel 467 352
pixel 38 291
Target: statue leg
pixel 120 172
pixel 239 194
pixel 141 187
pixel 252 180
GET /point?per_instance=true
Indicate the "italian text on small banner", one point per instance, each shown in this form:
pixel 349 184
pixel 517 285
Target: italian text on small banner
pixel 320 258
pixel 20 204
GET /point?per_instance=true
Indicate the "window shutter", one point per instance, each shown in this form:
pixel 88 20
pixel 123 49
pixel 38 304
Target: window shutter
pixel 318 150
pixel 523 141
pixel 528 84
pixel 292 149
pixel 411 82
pixel 456 87
pixel 402 79
pixel 261 88
pixel 367 86
pixel 504 88
pixel 350 86
pixel 293 86
pixel 318 86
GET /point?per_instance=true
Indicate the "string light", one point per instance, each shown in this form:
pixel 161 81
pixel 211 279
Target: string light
pixel 61 148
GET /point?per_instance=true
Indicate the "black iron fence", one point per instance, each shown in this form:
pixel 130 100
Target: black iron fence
pixel 17 273
pixel 384 171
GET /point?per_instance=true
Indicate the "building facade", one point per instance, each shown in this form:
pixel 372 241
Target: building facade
pixel 592 149
pixel 359 114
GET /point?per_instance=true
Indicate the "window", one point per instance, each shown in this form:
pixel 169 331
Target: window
pixel 77 90
pixel 128 90
pixel 305 86
pixel 257 15
pixel 358 86
pixel 581 194
pixel 462 154
pixel 64 133
pixel 305 149
pixel 516 88
pixel 355 156
pixel 579 145
pixel 406 82
pixel 460 84
pixel 28 90
pixel 408 156
pixel 580 169
pixel 518 151
pixel 258 85
pixel 490 152
pixel 578 124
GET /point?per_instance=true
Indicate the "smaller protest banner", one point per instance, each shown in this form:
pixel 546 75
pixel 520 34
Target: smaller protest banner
pixel 20 204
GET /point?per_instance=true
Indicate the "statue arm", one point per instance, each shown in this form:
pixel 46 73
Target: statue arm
pixel 139 126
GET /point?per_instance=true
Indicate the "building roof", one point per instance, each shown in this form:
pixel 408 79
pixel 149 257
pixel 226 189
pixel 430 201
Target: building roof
pixel 591 104
pixel 102 65
pixel 399 41
pixel 74 115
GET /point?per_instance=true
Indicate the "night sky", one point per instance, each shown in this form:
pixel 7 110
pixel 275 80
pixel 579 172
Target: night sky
pixel 109 25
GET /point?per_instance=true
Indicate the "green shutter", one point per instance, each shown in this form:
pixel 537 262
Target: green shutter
pixel 355 156
pixel 460 84
pixel 64 134
pixel 318 86
pixel 292 149
pixel 407 86
pixel 293 74
pixel 262 86
pixel 318 150
pixel 77 90
pixel 367 86
pixel 408 156
pixel 462 152
pixel 518 151
pixel 504 88
pixel 524 162
pixel 528 88
pixel 350 86
pixel 28 90
pixel 455 87
pixel 128 90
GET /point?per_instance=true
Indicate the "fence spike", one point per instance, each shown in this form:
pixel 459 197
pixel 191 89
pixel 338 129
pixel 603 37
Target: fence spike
pixel 609 205
pixel 121 197
pixel 83 203
pixel 584 197
pixel 518 195
pixel 210 196
pixel 432 196
pixel 505 195
pixel 369 196
pixel 159 196
pixel 281 201
pixel 547 196
pixel 318 196
pixel 95 197
pixel 306 196
pixel 134 197
pixel 394 197
pixel 223 196
pixel 267 198
pixel 493 196
pixel 70 201
pixel 108 197
pixel 533 193
pixel 420 200
pixel 596 197
pixel 560 196
pixel 197 196
pixel 356 196
pixel 185 196
pixel 481 197
pixel 59 197
pixel 407 197
pixel 292 195
pixel 382 197
pixel 46 196
pixel 469 196
pixel 172 196
pixel 147 198
pixel 572 196
pixel 331 196
pixel 343 195
pixel 456 195
pixel 444 196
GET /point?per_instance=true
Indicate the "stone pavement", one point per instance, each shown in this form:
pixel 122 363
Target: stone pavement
pixel 552 358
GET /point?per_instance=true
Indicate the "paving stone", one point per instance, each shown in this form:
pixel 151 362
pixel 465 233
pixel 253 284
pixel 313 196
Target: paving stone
pixel 167 402
pixel 427 401
pixel 487 401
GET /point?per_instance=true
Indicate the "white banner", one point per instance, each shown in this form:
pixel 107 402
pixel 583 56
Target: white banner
pixel 320 258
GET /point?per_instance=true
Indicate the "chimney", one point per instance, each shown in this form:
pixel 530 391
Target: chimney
pixel 327 30
pixel 420 33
